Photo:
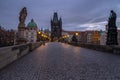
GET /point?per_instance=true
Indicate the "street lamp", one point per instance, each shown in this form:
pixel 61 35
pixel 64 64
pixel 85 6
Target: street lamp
pixel 76 34
pixel 39 32
pixel 67 35
pixel 42 35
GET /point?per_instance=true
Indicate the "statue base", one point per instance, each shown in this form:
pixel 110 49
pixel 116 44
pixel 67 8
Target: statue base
pixel 21 33
pixel 112 36
pixel 21 41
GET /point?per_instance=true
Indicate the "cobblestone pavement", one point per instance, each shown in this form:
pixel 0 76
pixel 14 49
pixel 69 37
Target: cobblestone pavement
pixel 58 61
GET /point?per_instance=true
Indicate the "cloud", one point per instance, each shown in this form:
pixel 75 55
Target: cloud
pixel 95 26
pixel 90 26
pixel 76 14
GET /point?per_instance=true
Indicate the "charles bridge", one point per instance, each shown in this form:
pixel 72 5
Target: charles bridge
pixel 59 61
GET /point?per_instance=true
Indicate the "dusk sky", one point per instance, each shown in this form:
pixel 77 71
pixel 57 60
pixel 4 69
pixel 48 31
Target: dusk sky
pixel 76 14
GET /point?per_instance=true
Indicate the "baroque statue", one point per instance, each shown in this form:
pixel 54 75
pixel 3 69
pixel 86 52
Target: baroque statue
pixel 23 15
pixel 112 18
pixel 112 29
pixel 21 25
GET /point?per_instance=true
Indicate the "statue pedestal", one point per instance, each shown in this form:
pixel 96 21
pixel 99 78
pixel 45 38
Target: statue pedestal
pixel 21 26
pixel 21 33
pixel 112 36
pixel 21 40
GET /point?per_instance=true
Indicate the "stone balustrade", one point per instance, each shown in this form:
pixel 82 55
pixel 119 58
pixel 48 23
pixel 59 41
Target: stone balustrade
pixel 12 53
pixel 103 48
pixel 116 49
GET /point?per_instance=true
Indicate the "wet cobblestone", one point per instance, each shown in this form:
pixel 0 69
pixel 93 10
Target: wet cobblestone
pixel 58 61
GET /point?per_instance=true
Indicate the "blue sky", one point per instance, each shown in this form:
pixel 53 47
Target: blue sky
pixel 76 14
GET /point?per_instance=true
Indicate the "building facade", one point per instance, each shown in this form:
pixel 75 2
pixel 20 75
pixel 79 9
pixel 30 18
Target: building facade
pixel 103 37
pixel 6 37
pixel 96 37
pixel 31 32
pixel 89 37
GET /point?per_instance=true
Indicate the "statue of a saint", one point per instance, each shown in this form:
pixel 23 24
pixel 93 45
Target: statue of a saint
pixel 112 18
pixel 23 14
pixel 112 29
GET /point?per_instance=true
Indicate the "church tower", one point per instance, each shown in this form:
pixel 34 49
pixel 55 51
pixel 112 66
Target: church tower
pixel 56 27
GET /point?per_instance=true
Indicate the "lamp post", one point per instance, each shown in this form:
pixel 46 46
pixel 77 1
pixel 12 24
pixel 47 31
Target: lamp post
pixel 39 35
pixel 76 34
pixel 74 38
pixel 39 32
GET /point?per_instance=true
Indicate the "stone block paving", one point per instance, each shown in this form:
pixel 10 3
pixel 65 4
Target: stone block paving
pixel 58 61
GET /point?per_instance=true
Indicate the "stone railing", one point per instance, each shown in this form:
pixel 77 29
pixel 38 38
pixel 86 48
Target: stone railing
pixel 12 53
pixel 116 49
pixel 34 45
pixel 103 48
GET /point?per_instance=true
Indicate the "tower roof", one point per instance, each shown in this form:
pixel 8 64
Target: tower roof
pixel 32 24
pixel 55 16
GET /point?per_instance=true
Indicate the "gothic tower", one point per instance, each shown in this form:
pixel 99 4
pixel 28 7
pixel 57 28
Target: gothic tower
pixel 56 27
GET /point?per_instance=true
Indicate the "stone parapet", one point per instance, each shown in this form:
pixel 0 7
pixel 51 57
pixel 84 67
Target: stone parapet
pixel 12 53
pixel 103 48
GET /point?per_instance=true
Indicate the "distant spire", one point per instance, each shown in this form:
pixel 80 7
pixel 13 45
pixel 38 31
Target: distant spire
pixel 60 19
pixel 51 20
pixel 41 29
pixel 0 27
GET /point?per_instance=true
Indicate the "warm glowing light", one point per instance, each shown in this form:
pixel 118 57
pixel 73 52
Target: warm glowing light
pixel 39 32
pixel 63 37
pixel 67 35
pixel 42 35
pixel 76 34
pixel 45 36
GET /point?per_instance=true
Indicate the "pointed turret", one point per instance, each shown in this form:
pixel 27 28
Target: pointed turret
pixel 60 20
pixel 55 17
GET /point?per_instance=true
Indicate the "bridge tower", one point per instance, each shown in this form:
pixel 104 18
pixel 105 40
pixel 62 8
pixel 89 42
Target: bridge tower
pixel 56 27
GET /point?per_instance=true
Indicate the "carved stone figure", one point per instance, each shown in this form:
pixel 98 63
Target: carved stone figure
pixel 23 14
pixel 21 25
pixel 112 19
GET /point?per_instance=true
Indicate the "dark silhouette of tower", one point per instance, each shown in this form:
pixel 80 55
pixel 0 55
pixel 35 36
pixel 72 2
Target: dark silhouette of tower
pixel 112 30
pixel 56 27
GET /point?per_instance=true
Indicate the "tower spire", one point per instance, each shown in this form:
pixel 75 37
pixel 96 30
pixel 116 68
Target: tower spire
pixel 56 27
pixel 55 17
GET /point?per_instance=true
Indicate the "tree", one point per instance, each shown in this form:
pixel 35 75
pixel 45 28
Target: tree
pixel 74 38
